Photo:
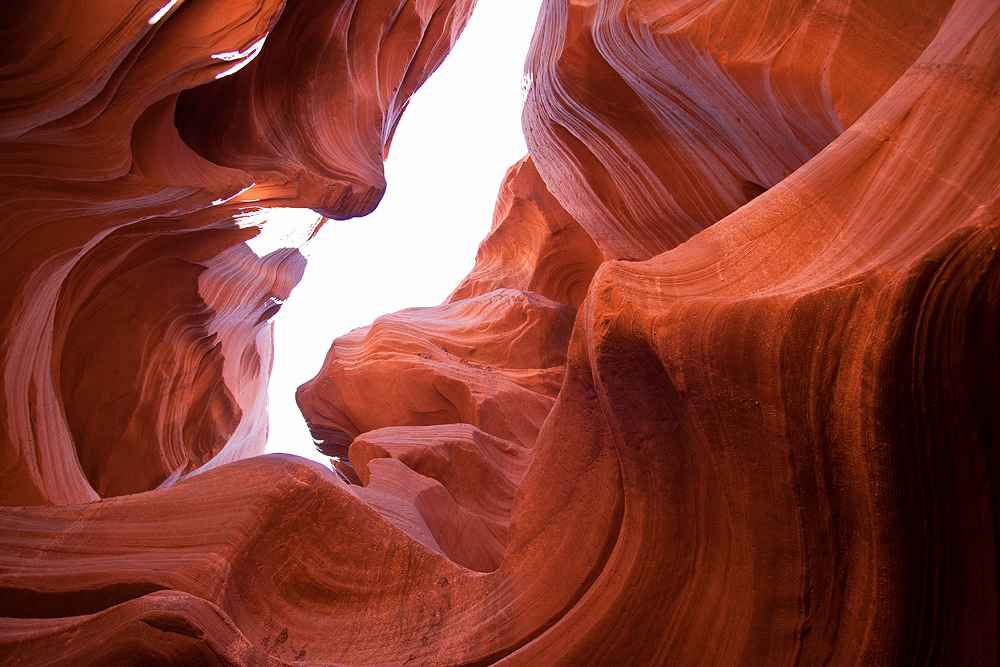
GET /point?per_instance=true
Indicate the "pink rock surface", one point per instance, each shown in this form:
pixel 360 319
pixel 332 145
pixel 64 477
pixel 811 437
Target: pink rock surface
pixel 650 121
pixel 534 245
pixel 449 487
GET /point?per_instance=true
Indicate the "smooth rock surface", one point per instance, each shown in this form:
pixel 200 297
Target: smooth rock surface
pixel 650 121
pixel 495 361
pixel 770 440
pixel 134 325
pixel 534 245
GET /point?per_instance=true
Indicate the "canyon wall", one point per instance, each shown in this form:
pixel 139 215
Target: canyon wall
pixel 135 333
pixel 720 389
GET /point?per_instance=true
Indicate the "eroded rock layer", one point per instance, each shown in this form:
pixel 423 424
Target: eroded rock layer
pixel 534 245
pixel 771 441
pixel 135 338
pixel 495 361
pixel 650 121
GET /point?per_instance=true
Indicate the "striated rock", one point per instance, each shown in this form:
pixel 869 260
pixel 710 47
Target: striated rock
pixel 449 487
pixel 313 116
pixel 133 320
pixel 649 121
pixel 199 319
pixel 772 441
pixel 492 357
pixel 493 361
pixel 534 245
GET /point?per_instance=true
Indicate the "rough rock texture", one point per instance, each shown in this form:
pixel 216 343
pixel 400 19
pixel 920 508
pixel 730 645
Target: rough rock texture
pixel 772 441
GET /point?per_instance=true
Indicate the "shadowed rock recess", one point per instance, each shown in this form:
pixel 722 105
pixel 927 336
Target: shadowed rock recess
pixel 720 390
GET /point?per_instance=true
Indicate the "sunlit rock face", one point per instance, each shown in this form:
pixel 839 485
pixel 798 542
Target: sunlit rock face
pixel 534 245
pixel 720 389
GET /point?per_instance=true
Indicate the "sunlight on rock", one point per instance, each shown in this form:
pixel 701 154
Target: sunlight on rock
pixel 162 12
pixel 244 57
pixel 280 228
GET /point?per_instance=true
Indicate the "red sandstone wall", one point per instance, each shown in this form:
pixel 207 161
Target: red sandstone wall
pixel 720 389
pixel 134 325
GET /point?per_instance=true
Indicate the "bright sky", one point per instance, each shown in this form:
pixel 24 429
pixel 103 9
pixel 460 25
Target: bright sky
pixel 453 145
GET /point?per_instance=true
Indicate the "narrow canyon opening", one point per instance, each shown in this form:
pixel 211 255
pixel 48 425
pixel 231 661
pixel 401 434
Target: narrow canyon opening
pixel 719 389
pixel 442 172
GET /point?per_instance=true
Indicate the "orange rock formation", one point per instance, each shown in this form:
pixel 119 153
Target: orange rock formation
pixel 720 389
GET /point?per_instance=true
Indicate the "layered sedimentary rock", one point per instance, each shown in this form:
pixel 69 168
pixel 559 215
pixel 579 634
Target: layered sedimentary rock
pixel 650 121
pixel 313 116
pixel 492 357
pixel 533 245
pixel 495 361
pixel 135 332
pixel 772 441
pixel 450 487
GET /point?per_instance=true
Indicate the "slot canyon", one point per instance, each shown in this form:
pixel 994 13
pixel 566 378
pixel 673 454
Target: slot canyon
pixel 722 388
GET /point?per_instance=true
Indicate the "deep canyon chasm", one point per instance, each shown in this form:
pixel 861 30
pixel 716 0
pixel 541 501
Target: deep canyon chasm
pixel 721 388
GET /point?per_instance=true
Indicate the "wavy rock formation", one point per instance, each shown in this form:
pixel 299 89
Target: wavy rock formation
pixel 534 245
pixel 313 116
pixel 492 357
pixel 450 487
pixel 650 121
pixel 770 441
pixel 135 332
pixel 494 361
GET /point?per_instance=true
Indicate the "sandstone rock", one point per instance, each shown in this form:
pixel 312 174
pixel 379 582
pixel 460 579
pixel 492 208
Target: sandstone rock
pixel 495 361
pixel 650 121
pixel 534 245
pixel 772 441
pixel 449 487
pixel 133 320
pixel 313 116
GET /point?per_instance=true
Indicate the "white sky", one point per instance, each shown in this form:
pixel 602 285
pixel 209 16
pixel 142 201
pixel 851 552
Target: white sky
pixel 460 133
